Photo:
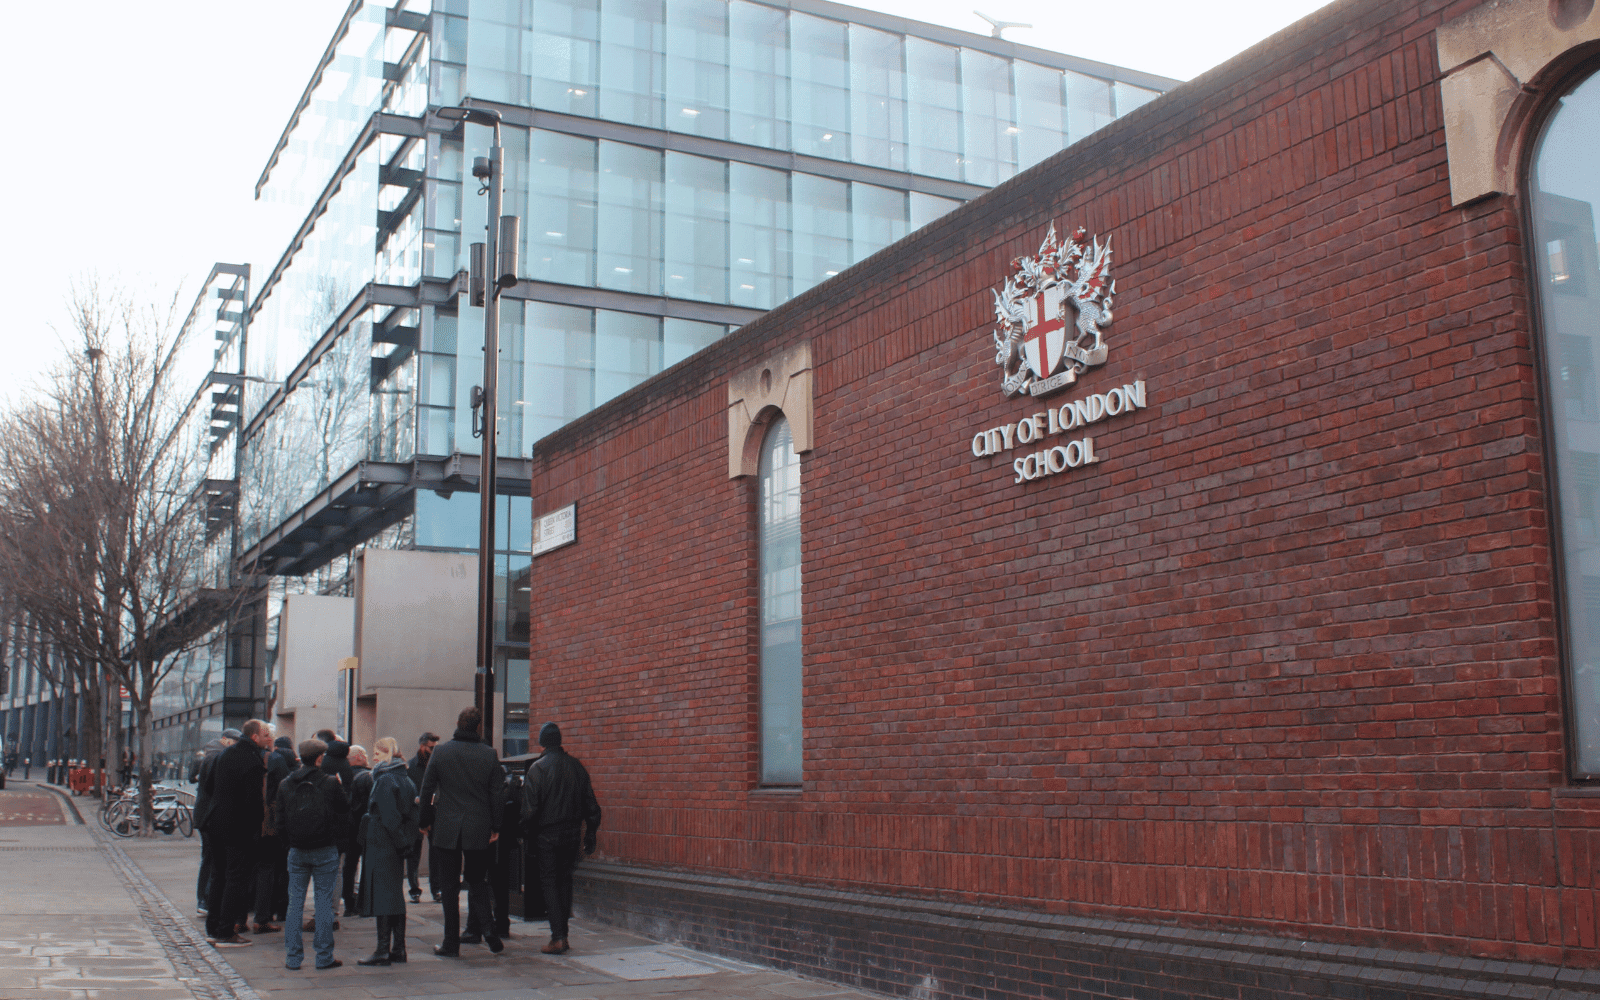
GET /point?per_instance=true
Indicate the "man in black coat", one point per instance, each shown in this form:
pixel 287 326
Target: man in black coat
pixel 462 804
pixel 336 761
pixel 272 870
pixel 559 811
pixel 360 791
pixel 203 764
pixel 235 809
pixel 415 771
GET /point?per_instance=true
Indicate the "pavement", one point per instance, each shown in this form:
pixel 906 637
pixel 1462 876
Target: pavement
pixel 88 915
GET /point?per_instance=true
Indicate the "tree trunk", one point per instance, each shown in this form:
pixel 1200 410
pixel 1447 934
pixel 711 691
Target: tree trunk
pixel 93 719
pixel 147 809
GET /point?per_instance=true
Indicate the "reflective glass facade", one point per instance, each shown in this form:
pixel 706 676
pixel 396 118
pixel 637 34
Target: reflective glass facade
pixel 679 166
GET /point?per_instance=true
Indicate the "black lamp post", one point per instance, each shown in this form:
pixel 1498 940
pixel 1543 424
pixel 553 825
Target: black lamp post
pixel 496 256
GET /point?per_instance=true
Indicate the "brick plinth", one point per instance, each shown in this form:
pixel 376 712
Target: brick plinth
pixel 906 947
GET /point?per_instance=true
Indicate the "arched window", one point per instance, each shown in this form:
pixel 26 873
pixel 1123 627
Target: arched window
pixel 779 484
pixel 1564 188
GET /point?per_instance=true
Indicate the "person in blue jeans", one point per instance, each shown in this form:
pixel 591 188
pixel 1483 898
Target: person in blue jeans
pixel 312 806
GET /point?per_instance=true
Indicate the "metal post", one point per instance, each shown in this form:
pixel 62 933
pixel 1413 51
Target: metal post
pixel 486 468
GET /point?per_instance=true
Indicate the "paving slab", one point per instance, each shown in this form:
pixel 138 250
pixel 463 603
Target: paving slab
pixel 95 917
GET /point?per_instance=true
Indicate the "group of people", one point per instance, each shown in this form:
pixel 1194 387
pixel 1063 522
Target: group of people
pixel 276 819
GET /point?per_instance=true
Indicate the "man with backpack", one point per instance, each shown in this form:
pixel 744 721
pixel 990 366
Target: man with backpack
pixel 313 807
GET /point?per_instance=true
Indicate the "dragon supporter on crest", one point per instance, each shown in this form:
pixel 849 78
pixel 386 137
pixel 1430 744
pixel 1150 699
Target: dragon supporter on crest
pixel 1033 347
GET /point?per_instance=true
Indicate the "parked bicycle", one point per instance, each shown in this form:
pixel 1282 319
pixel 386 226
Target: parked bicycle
pixel 172 815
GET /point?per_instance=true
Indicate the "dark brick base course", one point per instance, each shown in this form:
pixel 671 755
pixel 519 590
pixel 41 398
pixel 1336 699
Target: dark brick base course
pixel 931 951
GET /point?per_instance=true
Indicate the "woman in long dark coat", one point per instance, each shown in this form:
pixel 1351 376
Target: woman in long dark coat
pixel 391 827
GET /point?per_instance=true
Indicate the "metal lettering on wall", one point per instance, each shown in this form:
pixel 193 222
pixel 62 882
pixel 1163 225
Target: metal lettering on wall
pixel 1051 312
pixel 553 530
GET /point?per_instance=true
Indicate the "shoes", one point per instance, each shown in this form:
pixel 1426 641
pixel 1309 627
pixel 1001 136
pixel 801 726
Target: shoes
pixel 495 944
pixel 233 942
pixel 266 928
pixel 438 897
pixel 331 965
pixel 292 968
pixel 397 957
pixel 472 939
pixel 557 947
pixel 373 960
pixel 416 895
pixel 311 925
pixel 242 929
pixel 444 952
pixel 200 910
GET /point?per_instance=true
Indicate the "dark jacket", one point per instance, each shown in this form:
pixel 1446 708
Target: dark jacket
pixel 334 798
pixel 337 763
pixel 416 769
pixel 202 779
pixel 461 793
pixel 391 830
pixel 277 770
pixel 558 798
pixel 360 790
pixel 236 793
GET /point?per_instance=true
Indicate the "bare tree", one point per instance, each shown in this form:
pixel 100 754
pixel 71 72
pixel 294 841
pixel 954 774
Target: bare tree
pixel 102 508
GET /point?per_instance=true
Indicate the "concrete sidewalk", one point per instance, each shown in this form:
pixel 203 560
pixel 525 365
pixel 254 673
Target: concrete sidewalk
pixel 109 882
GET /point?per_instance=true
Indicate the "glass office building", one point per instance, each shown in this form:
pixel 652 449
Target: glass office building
pixel 680 166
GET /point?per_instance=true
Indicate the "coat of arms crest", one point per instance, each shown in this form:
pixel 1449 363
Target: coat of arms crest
pixel 1039 346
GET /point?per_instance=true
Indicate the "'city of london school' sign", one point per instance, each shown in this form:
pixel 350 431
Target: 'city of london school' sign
pixel 1051 313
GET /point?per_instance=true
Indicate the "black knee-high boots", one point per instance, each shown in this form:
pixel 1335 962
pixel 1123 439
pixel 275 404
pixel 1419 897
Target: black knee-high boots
pixel 385 953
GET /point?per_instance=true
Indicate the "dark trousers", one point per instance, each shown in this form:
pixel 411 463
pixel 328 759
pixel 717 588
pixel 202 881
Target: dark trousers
pixel 202 885
pixel 452 865
pixel 272 878
pixel 558 856
pixel 233 884
pixel 413 863
pixel 350 854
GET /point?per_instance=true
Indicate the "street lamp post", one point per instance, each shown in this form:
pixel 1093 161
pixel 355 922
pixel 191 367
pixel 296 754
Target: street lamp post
pixel 493 269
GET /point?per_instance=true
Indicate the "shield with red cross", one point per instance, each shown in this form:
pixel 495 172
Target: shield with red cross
pixel 1044 335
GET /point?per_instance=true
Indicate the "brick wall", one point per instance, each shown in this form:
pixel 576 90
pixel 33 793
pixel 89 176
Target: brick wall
pixel 1282 662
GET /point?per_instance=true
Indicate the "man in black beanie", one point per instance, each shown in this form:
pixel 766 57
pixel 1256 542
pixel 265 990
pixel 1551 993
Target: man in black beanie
pixel 559 811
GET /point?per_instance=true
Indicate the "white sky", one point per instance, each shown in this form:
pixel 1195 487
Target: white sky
pixel 138 130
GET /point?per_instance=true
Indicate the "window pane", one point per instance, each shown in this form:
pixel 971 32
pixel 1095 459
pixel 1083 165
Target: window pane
pixel 821 210
pixel 759 92
pixel 877 219
pixel 682 337
pixel 697 228
pixel 631 61
pixel 781 686
pixel 1088 105
pixel 561 209
pixel 820 89
pixel 559 381
pixel 697 67
pixel 629 218
pixel 877 98
pixel 933 92
pixel 1565 191
pixel 1130 98
pixel 1041 116
pixel 926 207
pixel 759 236
pixel 988 133
pixel 627 351
pixel 564 55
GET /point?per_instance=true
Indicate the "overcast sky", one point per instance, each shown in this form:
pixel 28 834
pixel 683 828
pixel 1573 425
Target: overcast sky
pixel 138 130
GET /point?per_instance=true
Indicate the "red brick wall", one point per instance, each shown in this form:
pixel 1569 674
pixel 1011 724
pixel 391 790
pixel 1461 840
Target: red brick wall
pixel 1283 660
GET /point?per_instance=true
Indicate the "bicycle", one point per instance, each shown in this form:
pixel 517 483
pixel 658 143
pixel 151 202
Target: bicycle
pixel 171 814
